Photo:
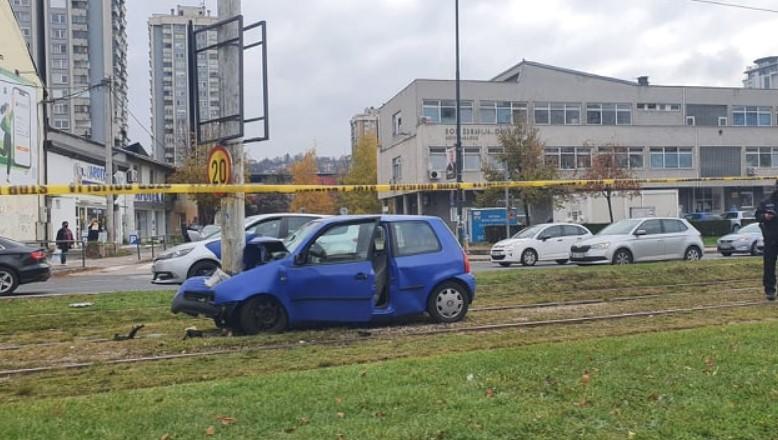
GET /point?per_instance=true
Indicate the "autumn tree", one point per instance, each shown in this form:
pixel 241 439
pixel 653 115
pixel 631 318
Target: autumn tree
pixel 611 164
pixel 194 170
pixel 304 172
pixel 522 159
pixel 362 172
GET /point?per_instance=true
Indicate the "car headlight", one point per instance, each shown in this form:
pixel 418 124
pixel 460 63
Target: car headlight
pixel 605 245
pixel 175 254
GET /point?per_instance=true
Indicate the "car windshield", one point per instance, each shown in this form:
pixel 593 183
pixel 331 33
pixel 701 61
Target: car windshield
pixel 622 227
pixel 751 229
pixel 730 215
pixel 294 240
pixel 210 231
pixel 529 232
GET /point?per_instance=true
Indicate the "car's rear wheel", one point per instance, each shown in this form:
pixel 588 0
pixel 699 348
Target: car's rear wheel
pixel 203 269
pixel 726 254
pixel 448 302
pixel 561 262
pixel 622 256
pixel 8 281
pixel 693 253
pixel 262 314
pixel 754 250
pixel 529 257
pixel 505 264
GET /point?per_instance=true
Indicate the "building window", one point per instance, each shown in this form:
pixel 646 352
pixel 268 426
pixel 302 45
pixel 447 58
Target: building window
pixel 557 113
pixel 569 158
pixel 722 121
pixel 751 116
pixel 494 158
pixel 397 123
pixel 671 157
pixel 61 124
pixel 625 157
pixel 397 169
pixel 58 18
pixel 60 109
pixel 59 48
pixel 59 34
pixel 437 159
pixel 445 111
pixel 609 114
pixel 654 107
pixel 59 78
pixel 471 159
pixel 691 121
pixel 502 112
pixel 59 63
pixel 762 157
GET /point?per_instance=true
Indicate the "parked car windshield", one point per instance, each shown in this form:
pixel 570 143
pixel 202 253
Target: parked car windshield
pixel 753 228
pixel 210 231
pixel 620 228
pixel 529 232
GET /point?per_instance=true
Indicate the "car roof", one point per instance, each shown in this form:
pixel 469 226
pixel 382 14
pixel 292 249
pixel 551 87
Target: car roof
pixel 383 218
pixel 284 214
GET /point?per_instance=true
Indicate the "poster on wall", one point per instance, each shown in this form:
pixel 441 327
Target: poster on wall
pixel 18 131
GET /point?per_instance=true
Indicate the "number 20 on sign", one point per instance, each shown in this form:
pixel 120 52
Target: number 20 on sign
pixel 219 166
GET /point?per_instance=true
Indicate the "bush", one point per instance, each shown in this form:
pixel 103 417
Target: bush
pixel 713 228
pixel 595 227
pixel 495 233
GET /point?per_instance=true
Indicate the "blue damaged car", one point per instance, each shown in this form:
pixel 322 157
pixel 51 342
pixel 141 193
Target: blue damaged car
pixel 345 269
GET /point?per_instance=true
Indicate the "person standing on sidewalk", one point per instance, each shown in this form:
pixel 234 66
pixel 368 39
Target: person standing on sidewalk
pixel 64 242
pixel 768 223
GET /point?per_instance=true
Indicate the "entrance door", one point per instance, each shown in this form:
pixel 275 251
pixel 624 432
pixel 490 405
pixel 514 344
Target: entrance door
pixel 335 281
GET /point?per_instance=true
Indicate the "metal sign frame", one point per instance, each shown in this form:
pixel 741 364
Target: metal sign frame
pixel 194 83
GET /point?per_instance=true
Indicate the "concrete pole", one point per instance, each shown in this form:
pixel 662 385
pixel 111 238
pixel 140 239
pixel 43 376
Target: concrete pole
pixel 109 220
pixel 233 207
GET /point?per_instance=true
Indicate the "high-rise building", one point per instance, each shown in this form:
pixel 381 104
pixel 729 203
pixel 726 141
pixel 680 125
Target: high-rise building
pixel 763 74
pixel 364 124
pixel 168 45
pixel 85 43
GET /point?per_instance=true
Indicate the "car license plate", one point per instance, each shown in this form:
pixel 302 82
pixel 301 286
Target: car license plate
pixel 578 254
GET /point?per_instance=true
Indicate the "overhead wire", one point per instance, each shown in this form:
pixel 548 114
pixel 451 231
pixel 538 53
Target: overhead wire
pixel 736 5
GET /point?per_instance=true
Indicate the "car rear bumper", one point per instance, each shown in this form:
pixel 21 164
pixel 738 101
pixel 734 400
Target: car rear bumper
pixel 35 274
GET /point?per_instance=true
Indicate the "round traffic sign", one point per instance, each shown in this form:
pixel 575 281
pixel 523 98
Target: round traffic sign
pixel 219 166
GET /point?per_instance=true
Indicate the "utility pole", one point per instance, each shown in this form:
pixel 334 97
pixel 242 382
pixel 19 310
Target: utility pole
pixel 109 218
pixel 507 204
pixel 458 147
pixel 233 207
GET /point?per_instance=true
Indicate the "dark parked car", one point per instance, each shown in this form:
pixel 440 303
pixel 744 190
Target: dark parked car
pixel 21 264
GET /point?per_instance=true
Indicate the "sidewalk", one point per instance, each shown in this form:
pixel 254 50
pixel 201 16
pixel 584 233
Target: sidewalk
pixel 74 263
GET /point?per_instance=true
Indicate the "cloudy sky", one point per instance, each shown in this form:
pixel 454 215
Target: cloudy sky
pixel 329 59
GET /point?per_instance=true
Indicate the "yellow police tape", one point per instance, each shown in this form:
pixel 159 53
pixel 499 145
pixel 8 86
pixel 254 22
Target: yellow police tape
pixel 186 188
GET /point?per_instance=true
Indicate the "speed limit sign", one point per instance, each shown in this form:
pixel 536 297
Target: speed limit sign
pixel 219 166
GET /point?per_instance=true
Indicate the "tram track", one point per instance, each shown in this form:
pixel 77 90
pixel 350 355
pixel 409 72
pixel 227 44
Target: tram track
pixel 383 335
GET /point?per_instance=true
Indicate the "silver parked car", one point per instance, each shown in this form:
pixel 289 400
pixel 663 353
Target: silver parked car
pixel 744 241
pixel 640 239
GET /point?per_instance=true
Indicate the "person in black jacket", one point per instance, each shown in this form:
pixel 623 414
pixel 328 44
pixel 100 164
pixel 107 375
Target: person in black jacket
pixel 64 242
pixel 768 223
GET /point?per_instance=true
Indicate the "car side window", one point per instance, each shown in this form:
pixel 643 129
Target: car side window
pixel 673 226
pixel 552 232
pixel 342 244
pixel 295 223
pixel 573 231
pixel 268 228
pixel 651 227
pixel 413 238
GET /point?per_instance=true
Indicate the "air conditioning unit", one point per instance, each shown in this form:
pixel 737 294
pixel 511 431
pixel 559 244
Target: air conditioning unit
pixel 751 171
pixel 435 174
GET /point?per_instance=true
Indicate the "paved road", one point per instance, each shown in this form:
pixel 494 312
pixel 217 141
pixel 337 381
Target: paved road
pixel 135 277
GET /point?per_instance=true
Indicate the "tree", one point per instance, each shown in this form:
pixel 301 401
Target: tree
pixel 304 172
pixel 522 159
pixel 362 172
pixel 268 203
pixel 608 166
pixel 194 170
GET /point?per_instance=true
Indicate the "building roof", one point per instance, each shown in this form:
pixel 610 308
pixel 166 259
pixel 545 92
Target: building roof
pixel 517 67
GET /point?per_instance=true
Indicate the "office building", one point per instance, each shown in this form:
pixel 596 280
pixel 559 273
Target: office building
pixel 362 125
pixel 763 74
pixel 654 131
pixel 169 66
pixel 85 44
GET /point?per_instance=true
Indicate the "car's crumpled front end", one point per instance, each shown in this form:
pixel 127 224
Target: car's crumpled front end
pixel 197 296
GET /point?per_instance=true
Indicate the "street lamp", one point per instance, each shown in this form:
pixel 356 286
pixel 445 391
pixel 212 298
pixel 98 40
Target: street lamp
pixel 460 194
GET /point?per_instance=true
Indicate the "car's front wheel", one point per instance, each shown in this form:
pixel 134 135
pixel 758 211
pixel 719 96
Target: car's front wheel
pixel 726 254
pixel 262 314
pixel 622 256
pixel 203 269
pixel 505 264
pixel 693 253
pixel 448 303
pixel 8 281
pixel 561 262
pixel 529 257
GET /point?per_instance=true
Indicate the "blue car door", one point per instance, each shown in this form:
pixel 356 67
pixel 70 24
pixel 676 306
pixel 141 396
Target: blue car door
pixel 334 278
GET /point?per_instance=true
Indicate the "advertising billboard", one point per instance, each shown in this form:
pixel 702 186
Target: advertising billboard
pixel 18 131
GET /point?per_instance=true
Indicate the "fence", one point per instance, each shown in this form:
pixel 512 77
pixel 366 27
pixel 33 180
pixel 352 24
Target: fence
pixel 86 251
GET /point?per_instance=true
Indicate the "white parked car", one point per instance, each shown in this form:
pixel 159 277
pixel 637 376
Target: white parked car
pixel 736 218
pixel 640 239
pixel 196 259
pixel 544 242
pixel 744 241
